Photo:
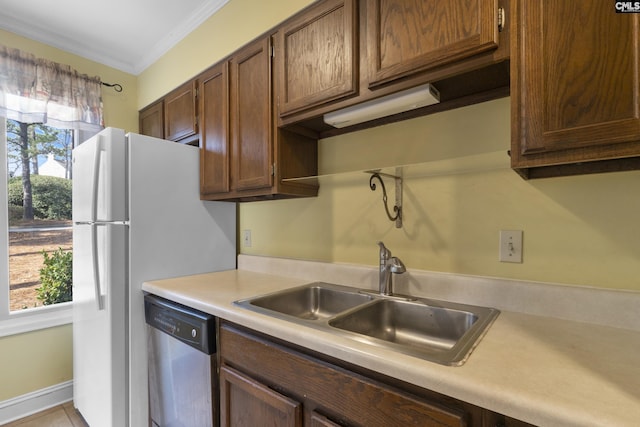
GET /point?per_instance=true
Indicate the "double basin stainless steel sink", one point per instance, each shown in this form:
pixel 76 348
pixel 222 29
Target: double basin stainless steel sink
pixel 438 331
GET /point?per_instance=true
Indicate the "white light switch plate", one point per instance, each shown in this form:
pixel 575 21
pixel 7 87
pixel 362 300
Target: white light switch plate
pixel 511 246
pixel 246 238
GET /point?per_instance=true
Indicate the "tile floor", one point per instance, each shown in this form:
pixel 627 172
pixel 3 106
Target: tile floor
pixel 59 416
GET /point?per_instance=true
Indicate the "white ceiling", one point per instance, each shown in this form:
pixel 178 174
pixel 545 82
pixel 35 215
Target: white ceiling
pixel 128 35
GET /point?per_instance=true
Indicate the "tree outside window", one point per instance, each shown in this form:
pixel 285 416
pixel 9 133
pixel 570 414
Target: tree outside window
pixel 39 196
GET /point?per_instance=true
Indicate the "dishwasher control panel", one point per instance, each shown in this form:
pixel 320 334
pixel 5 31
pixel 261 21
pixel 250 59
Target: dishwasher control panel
pixel 188 325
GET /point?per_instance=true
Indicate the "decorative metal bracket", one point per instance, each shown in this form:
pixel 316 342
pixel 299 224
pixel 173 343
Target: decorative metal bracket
pixel 397 208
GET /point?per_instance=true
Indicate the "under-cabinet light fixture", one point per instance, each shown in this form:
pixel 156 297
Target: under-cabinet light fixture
pixel 410 99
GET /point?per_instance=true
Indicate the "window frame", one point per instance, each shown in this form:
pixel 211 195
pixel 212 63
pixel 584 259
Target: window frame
pixel 31 319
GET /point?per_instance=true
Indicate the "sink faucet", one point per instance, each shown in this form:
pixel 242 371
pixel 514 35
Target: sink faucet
pixel 388 265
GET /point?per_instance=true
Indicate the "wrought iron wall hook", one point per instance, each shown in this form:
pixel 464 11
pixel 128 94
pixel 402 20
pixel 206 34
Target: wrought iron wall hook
pixel 116 86
pixel 397 208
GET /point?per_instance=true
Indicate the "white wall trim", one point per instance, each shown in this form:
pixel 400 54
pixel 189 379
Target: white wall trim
pixel 34 402
pixel 36 319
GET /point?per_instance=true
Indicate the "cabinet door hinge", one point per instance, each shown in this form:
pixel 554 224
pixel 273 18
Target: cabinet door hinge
pixel 273 51
pixel 273 169
pixel 501 19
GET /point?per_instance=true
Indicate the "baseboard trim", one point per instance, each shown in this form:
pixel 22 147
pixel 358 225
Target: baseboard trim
pixel 34 402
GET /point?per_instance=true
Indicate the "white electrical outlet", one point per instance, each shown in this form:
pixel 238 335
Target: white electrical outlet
pixel 246 238
pixel 511 246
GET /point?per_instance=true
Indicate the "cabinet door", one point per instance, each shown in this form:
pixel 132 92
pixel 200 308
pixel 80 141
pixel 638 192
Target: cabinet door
pixel 245 402
pixel 318 420
pixel 180 119
pixel 409 36
pixel 214 130
pixel 317 56
pixel 251 109
pixel 575 83
pixel 493 419
pixel 151 120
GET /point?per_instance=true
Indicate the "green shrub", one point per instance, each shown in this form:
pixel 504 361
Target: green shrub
pixel 56 277
pixel 15 191
pixel 15 213
pixel 51 196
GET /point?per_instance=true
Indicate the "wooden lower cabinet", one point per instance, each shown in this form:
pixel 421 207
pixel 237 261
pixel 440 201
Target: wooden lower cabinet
pixel 318 420
pixel 491 419
pixel 248 403
pixel 264 379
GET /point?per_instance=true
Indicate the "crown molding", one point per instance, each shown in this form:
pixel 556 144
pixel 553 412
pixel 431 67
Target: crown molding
pixel 129 65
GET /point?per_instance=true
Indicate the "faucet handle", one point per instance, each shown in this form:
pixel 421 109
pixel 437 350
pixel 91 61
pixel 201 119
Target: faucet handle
pixel 385 253
pixel 397 266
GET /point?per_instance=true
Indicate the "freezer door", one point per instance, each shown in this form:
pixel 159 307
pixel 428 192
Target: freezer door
pixel 99 335
pixel 99 178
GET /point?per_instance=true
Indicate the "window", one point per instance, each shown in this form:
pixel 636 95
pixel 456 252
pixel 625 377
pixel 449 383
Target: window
pixel 39 214
pixel 38 227
pixel 57 107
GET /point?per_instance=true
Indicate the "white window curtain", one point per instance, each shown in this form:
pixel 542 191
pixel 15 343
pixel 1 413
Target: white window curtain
pixel 34 90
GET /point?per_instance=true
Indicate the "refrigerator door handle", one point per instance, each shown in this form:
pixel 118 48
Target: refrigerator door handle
pixel 94 227
pixel 95 267
pixel 96 179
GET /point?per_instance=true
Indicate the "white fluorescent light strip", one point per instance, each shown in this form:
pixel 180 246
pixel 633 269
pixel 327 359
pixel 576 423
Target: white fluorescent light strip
pixel 410 99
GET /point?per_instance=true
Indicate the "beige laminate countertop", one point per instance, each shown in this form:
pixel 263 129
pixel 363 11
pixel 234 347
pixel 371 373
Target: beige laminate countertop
pixel 541 370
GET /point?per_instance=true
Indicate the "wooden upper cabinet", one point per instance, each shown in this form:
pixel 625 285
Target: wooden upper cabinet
pixel 405 37
pixel 180 113
pixel 214 131
pixel 174 117
pixel 575 87
pixel 243 155
pixel 317 56
pixel 251 116
pixel 151 120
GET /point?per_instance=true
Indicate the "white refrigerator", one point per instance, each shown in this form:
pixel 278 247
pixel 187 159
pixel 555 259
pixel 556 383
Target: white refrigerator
pixel 137 216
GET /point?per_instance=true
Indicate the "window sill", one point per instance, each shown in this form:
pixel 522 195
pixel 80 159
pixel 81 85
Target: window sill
pixel 35 319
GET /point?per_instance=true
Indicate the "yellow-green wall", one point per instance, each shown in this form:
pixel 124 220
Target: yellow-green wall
pixel 235 24
pixel 35 360
pixel 40 359
pixel 577 230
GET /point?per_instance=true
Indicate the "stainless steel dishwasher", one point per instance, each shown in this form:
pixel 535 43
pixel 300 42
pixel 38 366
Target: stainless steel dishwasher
pixel 182 365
